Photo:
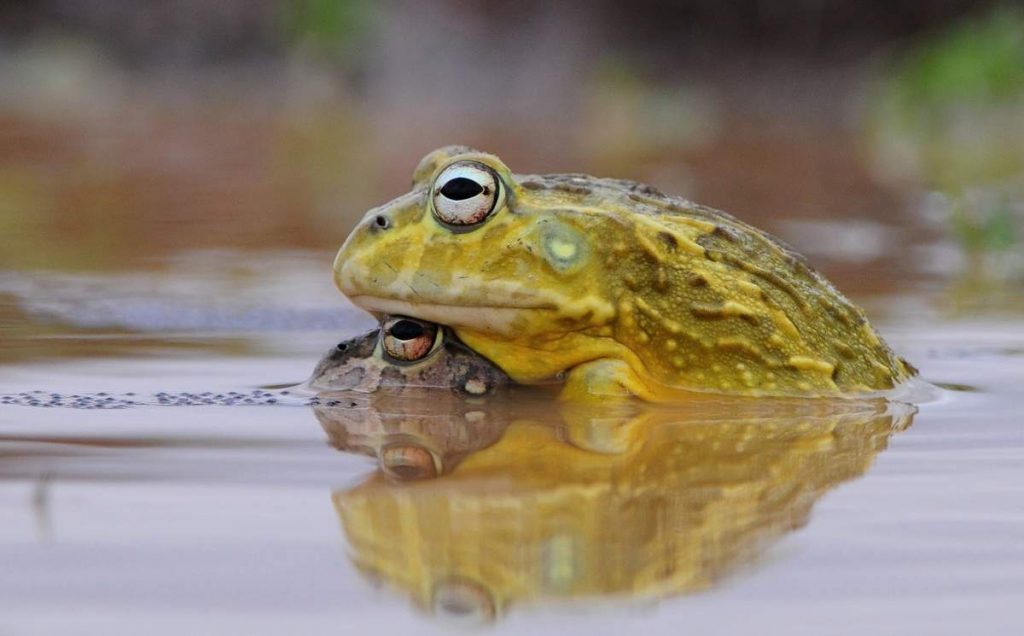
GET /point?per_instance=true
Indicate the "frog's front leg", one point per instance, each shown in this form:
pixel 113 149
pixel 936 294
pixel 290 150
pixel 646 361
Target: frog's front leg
pixel 602 378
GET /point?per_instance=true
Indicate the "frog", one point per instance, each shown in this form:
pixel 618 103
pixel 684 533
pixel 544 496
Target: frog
pixel 405 353
pixel 608 286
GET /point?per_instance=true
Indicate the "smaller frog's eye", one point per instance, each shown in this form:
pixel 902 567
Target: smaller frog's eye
pixel 408 340
pixel 466 193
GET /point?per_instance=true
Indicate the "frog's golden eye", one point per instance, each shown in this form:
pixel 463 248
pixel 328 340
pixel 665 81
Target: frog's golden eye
pixel 465 194
pixel 407 339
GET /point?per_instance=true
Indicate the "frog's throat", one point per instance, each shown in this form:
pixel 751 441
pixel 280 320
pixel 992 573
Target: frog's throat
pixel 497 319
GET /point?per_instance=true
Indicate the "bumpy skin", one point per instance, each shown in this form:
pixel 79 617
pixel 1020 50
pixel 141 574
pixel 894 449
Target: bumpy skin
pixel 358 364
pixel 617 288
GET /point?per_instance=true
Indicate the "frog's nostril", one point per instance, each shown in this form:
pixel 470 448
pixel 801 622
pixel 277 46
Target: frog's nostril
pixel 381 221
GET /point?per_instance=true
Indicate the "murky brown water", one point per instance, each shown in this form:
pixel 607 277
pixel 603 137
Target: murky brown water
pixel 409 514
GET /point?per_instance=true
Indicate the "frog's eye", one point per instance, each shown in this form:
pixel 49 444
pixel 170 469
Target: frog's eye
pixel 408 340
pixel 465 194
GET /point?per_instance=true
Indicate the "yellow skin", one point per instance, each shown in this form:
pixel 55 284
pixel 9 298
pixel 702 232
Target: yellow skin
pixel 613 287
pixel 686 500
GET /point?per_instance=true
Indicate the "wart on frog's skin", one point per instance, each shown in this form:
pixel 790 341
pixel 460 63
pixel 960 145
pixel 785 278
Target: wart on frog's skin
pixel 619 288
pixel 406 353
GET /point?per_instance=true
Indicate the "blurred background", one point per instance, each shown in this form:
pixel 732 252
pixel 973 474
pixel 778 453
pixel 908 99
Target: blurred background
pixel 177 175
pixel 883 139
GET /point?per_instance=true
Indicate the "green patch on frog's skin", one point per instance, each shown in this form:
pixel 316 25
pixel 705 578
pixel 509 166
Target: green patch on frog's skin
pixel 364 364
pixel 610 284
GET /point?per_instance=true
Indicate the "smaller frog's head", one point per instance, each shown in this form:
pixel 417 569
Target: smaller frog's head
pixel 474 246
pixel 405 353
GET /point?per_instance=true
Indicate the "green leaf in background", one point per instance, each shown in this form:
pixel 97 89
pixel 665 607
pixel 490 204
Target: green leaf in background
pixel 333 28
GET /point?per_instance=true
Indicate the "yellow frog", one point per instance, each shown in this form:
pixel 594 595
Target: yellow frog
pixel 609 285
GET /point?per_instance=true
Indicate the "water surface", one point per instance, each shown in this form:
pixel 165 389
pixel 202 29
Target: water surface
pixel 802 517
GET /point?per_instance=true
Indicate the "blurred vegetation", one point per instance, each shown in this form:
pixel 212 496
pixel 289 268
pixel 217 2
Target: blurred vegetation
pixel 958 97
pixel 334 29
pixel 991 231
pixel 950 114
pixel 980 59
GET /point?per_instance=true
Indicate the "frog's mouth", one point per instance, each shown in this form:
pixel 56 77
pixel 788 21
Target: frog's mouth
pixel 489 318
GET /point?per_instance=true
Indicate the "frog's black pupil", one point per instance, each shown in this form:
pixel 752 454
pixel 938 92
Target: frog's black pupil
pixel 342 346
pixel 406 330
pixel 461 188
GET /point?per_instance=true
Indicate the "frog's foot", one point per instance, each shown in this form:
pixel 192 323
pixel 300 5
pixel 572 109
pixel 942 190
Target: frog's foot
pixel 604 378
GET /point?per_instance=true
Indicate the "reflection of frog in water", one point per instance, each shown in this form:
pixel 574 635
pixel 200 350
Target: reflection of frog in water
pixel 679 500
pixel 411 439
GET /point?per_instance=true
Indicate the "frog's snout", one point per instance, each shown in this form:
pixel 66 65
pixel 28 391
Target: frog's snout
pixel 341 279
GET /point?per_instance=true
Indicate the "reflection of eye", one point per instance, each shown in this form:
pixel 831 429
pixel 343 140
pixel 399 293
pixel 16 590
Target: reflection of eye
pixel 463 600
pixel 408 462
pixel 407 339
pixel 466 193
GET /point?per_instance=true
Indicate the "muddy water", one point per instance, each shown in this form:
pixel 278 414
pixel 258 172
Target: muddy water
pixel 413 513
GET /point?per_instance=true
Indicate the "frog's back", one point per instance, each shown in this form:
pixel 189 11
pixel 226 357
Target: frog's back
pixel 708 301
